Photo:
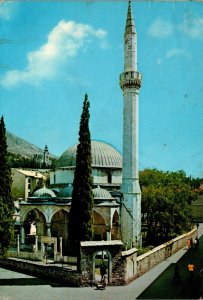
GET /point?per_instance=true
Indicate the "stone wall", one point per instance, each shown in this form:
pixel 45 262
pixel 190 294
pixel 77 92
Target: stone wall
pixel 130 264
pixel 148 260
pixel 116 271
pixel 54 273
pixel 123 266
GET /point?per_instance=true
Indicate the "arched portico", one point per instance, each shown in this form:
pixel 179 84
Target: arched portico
pixel 59 227
pixel 100 232
pixel 34 223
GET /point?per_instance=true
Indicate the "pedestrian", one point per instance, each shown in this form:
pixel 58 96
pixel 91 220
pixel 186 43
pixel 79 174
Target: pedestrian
pixel 191 268
pixel 104 282
pixel 176 275
pixel 196 243
pixel 188 244
pixel 191 243
pixel 102 270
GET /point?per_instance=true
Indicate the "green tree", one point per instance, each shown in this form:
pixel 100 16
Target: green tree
pixel 81 212
pixel 6 200
pixel 166 199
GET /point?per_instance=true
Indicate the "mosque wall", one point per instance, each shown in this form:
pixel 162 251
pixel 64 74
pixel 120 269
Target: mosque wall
pixel 100 176
pixel 110 176
pixel 61 176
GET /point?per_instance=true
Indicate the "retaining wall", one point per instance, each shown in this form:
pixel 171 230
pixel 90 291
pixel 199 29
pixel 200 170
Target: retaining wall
pixel 148 260
pixel 124 267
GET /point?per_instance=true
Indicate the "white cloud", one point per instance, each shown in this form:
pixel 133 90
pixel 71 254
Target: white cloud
pixel 63 43
pixel 6 9
pixel 177 52
pixel 160 29
pixel 192 26
pixel 174 53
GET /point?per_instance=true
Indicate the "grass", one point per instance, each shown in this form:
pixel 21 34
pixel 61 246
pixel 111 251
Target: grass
pixel 164 288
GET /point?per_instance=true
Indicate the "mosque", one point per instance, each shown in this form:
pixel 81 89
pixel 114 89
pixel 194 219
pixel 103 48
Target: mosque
pixel 117 195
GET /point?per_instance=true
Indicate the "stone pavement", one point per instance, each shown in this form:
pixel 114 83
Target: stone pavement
pixel 23 287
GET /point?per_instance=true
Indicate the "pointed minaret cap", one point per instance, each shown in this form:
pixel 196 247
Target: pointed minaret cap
pixel 130 25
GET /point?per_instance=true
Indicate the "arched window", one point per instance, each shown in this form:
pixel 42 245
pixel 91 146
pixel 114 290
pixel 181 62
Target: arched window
pixel 109 177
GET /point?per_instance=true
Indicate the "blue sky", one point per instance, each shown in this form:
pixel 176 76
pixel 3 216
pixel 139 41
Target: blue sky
pixel 53 52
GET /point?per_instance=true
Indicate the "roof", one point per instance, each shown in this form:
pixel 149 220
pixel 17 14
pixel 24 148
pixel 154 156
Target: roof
pixel 100 193
pixel 66 192
pixel 101 243
pixel 34 174
pixel 44 193
pixel 103 155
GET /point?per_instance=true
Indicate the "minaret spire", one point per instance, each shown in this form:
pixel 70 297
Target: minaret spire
pixel 130 25
pixel 130 82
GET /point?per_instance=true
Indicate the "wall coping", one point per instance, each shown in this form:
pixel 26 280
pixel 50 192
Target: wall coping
pixel 154 250
pixel 129 252
pixel 101 243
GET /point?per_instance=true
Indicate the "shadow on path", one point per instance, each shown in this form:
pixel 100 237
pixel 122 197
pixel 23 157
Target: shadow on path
pixel 23 281
pixel 164 288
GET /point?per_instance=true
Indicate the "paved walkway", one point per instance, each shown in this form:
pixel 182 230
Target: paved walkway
pixel 23 287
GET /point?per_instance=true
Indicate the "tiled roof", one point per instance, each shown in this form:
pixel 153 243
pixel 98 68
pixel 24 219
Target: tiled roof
pixel 31 173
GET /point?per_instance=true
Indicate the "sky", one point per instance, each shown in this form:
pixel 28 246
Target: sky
pixel 53 52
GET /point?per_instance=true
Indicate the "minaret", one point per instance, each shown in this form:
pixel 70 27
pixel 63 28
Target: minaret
pixel 130 82
pixel 46 161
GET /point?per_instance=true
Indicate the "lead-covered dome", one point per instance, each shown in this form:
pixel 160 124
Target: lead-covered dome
pixel 100 193
pixel 66 192
pixel 103 155
pixel 44 193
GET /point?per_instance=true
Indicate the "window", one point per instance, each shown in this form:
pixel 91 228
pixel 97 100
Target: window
pixel 109 178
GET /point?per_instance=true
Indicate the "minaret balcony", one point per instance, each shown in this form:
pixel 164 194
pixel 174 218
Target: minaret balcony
pixel 131 79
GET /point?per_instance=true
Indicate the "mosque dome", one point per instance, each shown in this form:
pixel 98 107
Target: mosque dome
pixel 66 192
pixel 103 155
pixel 101 194
pixel 44 193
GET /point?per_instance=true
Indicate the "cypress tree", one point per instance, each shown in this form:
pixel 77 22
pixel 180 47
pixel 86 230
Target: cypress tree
pixel 81 212
pixel 6 201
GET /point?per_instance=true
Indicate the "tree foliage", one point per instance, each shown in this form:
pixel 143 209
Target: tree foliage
pixel 6 201
pixel 19 161
pixel 166 200
pixel 81 212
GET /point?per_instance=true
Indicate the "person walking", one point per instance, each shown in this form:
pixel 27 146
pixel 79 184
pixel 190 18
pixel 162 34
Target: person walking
pixel 176 275
pixel 188 244
pixel 191 268
pixel 104 282
pixel 102 271
pixel 196 243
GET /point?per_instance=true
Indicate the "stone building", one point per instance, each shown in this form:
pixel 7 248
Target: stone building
pixel 24 182
pixel 117 195
pixel 48 211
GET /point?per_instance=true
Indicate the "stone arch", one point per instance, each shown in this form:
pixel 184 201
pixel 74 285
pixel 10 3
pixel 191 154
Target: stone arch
pixel 115 229
pixel 59 227
pixel 97 262
pixel 100 232
pixel 36 218
pixel 100 212
pixel 25 212
pixel 56 210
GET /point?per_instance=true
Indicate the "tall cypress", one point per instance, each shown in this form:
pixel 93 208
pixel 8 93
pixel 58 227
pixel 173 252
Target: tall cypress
pixel 6 201
pixel 81 212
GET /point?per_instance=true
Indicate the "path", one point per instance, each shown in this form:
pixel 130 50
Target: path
pixel 17 286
